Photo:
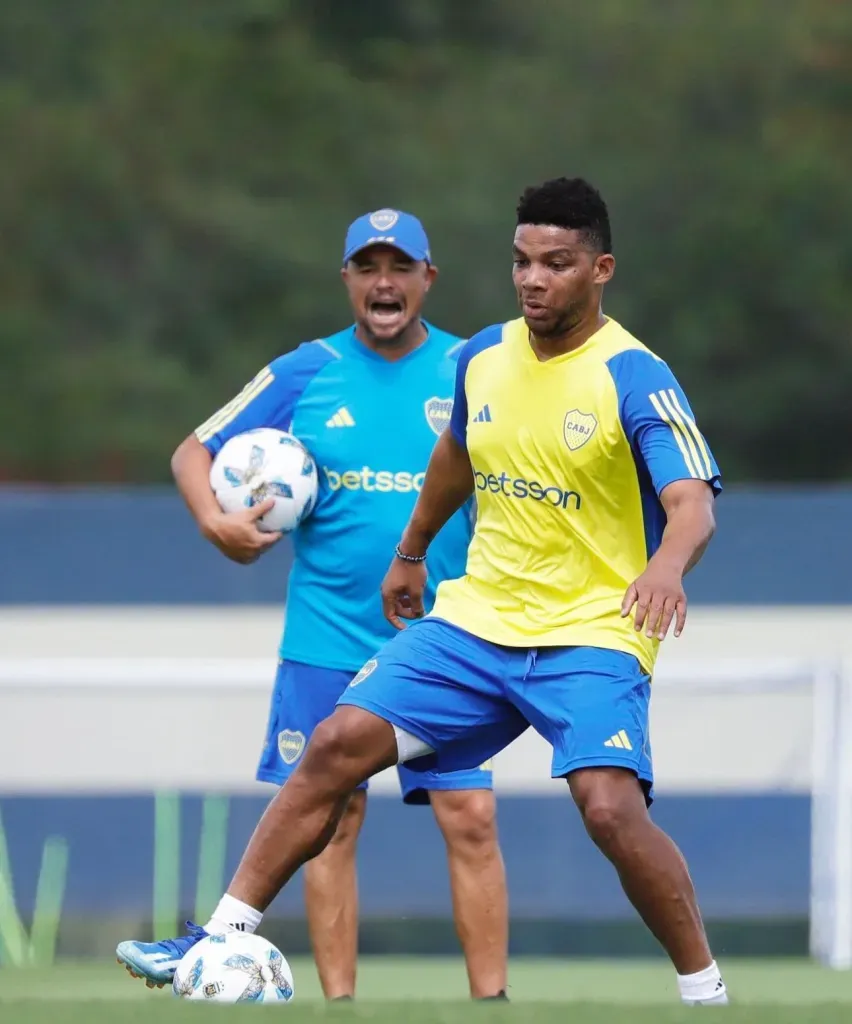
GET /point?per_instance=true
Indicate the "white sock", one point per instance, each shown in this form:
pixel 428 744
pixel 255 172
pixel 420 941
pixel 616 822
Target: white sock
pixel 705 988
pixel 233 916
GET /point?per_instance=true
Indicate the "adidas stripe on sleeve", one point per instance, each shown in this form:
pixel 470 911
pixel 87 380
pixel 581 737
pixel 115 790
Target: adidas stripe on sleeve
pixel 222 419
pixel 659 422
pixel 268 400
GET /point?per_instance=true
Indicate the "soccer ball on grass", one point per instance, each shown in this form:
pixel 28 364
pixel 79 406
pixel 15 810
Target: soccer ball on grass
pixel 234 968
pixel 266 463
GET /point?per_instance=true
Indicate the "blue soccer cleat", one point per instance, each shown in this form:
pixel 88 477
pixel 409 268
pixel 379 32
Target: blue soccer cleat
pixel 157 962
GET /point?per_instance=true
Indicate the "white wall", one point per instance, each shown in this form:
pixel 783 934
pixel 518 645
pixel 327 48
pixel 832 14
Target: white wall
pixel 253 631
pixel 160 731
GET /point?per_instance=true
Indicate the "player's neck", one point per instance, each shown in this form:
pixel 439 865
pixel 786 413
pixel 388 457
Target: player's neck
pixel 575 337
pixel 397 348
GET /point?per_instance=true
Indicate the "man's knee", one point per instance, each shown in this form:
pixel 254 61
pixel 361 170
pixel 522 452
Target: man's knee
pixel 609 800
pixel 350 745
pixel 467 818
pixel 331 742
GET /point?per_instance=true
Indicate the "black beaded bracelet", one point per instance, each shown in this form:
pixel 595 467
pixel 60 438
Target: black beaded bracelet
pixel 409 558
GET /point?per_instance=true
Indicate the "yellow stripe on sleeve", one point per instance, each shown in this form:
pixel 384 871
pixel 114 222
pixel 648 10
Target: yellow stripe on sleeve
pixel 693 450
pixel 678 434
pixel 692 427
pixel 228 413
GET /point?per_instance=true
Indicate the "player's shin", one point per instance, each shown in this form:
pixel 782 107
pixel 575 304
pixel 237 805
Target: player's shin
pixel 293 829
pixel 347 748
pixel 467 819
pixel 655 879
pixel 331 903
pixel 653 874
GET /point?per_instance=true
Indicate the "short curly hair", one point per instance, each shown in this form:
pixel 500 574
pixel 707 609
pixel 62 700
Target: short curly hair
pixel 568 203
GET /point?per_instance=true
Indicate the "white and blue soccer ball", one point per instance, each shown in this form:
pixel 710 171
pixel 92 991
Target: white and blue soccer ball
pixel 234 968
pixel 266 463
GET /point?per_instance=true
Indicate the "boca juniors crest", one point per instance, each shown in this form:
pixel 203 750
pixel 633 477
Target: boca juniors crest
pixel 438 413
pixel 290 745
pixel 368 669
pixel 383 220
pixel 578 428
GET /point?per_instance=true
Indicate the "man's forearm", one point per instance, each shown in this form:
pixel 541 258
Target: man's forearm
pixel 447 486
pixel 689 529
pixel 191 469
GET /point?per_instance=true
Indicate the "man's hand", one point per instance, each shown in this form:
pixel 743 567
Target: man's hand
pixel 658 593
pixel 237 536
pixel 659 597
pixel 402 591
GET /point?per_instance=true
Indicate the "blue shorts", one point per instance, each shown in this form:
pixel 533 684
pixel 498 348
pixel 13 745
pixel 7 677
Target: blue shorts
pixel 467 699
pixel 303 696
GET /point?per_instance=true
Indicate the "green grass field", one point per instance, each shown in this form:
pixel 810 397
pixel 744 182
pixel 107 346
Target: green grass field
pixel 399 990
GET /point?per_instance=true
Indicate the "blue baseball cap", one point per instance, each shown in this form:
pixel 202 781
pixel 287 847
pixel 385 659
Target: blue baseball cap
pixel 401 230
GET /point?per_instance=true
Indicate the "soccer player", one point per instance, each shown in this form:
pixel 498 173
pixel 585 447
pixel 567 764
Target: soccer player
pixel 595 493
pixel 368 403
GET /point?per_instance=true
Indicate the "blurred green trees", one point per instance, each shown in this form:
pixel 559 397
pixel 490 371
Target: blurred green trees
pixel 176 179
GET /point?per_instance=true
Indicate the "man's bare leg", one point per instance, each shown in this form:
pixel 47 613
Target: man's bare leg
pixel 345 749
pixel 331 901
pixel 301 819
pixel 652 870
pixel 467 819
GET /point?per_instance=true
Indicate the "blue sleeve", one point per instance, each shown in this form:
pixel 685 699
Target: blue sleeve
pixel 478 343
pixel 268 400
pixel 659 422
pixel 458 417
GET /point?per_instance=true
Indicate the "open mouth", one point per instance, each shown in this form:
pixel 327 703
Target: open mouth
pixel 386 311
